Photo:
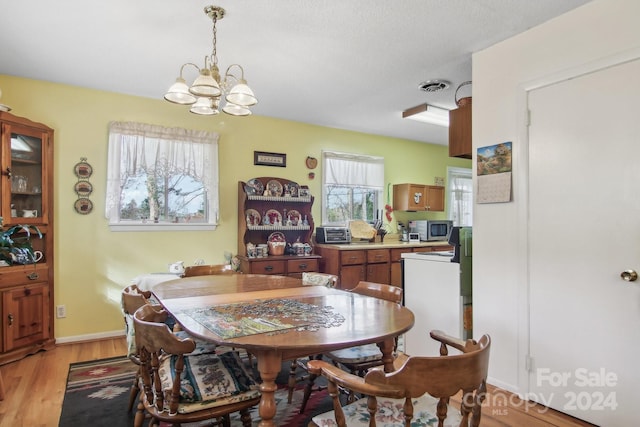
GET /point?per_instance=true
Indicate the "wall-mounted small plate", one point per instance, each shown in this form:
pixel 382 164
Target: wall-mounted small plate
pixel 83 206
pixel 83 188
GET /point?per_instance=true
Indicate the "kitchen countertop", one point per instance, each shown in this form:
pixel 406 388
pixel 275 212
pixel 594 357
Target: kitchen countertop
pixel 389 243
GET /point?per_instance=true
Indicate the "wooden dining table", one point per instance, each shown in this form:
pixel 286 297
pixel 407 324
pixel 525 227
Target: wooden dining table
pixel 275 318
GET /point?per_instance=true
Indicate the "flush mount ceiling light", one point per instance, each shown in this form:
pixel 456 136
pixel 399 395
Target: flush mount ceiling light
pixel 428 114
pixel 208 89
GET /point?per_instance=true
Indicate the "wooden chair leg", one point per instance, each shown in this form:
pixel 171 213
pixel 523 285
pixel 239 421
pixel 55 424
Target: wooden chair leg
pixel 307 392
pixel 245 417
pixel 292 379
pixel 1 387
pixel 133 393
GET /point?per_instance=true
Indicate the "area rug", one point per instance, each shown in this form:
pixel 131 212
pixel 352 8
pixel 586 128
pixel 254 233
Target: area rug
pixel 97 394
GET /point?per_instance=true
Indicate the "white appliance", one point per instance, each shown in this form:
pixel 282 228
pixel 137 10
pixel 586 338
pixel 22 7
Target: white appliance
pixel 432 293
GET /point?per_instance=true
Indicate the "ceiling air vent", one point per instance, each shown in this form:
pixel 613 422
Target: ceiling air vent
pixel 433 85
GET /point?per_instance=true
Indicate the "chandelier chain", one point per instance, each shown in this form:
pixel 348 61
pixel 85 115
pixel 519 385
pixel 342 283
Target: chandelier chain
pixel 214 53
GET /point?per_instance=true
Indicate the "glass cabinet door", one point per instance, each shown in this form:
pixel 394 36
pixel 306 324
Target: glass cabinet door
pixel 25 174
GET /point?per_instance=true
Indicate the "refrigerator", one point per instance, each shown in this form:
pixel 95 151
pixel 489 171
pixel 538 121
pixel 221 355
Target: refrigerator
pixel 438 289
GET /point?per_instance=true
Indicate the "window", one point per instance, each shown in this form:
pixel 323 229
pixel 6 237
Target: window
pixel 352 187
pixel 460 186
pixel 161 178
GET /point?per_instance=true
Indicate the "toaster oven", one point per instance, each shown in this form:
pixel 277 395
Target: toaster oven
pixel 333 235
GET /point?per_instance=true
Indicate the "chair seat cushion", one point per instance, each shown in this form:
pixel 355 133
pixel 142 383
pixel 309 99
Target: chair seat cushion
pixel 391 414
pixel 208 380
pixel 318 279
pixel 359 354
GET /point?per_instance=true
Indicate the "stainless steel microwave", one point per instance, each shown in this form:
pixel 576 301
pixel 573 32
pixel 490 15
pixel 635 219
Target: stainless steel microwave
pixel 433 230
pixel 333 235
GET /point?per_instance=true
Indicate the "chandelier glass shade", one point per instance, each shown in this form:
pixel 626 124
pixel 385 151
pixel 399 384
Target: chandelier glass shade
pixel 208 89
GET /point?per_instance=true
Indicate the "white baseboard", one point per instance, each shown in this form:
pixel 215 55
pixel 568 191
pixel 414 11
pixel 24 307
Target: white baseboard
pixel 503 385
pixel 90 337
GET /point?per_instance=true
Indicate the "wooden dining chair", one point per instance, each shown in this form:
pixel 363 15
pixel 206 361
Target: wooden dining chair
pixel 181 385
pixel 308 279
pixel 358 359
pixel 132 299
pixel 205 270
pixel 417 392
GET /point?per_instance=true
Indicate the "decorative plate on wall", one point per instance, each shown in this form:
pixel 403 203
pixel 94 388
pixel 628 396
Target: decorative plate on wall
pixel 311 162
pixel 83 188
pixel 83 169
pixel 83 206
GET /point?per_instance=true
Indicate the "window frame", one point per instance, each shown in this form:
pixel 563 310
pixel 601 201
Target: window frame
pixel 361 158
pixel 453 172
pixel 176 138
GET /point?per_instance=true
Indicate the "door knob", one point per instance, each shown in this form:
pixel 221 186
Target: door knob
pixel 629 275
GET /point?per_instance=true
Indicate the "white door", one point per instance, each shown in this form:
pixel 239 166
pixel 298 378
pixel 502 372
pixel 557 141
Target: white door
pixel 584 231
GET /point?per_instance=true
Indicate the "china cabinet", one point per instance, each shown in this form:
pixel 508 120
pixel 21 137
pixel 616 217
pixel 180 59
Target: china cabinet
pixel 26 198
pixel 274 220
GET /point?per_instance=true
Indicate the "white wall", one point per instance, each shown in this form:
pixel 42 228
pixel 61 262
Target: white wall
pixel 502 73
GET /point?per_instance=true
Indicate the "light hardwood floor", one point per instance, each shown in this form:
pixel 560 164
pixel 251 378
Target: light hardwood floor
pixel 35 387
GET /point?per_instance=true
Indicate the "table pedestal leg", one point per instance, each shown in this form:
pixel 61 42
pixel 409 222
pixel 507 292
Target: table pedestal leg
pixel 386 347
pixel 269 364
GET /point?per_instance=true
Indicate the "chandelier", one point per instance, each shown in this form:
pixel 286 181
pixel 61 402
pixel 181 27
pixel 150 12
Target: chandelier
pixel 205 94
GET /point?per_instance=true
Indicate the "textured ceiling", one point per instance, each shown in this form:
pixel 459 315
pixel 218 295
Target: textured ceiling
pixel 348 64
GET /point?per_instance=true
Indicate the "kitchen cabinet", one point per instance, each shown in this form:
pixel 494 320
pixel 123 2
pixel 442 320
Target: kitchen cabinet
pixel 378 267
pixel 396 265
pixel 26 198
pixel 434 200
pixel 460 130
pixel 379 262
pixel 418 197
pixel 280 200
pixel 352 266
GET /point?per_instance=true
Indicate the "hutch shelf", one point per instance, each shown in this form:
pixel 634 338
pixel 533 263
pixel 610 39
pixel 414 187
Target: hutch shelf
pixel 270 205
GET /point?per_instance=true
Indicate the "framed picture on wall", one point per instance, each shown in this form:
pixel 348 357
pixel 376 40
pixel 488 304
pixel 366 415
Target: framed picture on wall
pixel 264 158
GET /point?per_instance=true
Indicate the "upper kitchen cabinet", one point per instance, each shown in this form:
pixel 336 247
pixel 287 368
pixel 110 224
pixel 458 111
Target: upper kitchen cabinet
pixel 26 198
pixel 460 130
pixel 418 197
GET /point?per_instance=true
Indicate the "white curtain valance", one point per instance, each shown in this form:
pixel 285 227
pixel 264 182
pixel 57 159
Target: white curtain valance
pixel 140 147
pixel 353 170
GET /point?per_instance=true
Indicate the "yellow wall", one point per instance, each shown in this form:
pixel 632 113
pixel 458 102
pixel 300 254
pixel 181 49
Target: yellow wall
pixel 92 264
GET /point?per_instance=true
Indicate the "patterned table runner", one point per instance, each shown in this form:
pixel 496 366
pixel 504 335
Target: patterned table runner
pixel 264 316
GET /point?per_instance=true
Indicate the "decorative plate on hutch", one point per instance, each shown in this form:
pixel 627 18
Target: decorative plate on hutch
pixel 294 216
pixel 254 187
pixel 253 217
pixel 274 188
pixel 274 216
